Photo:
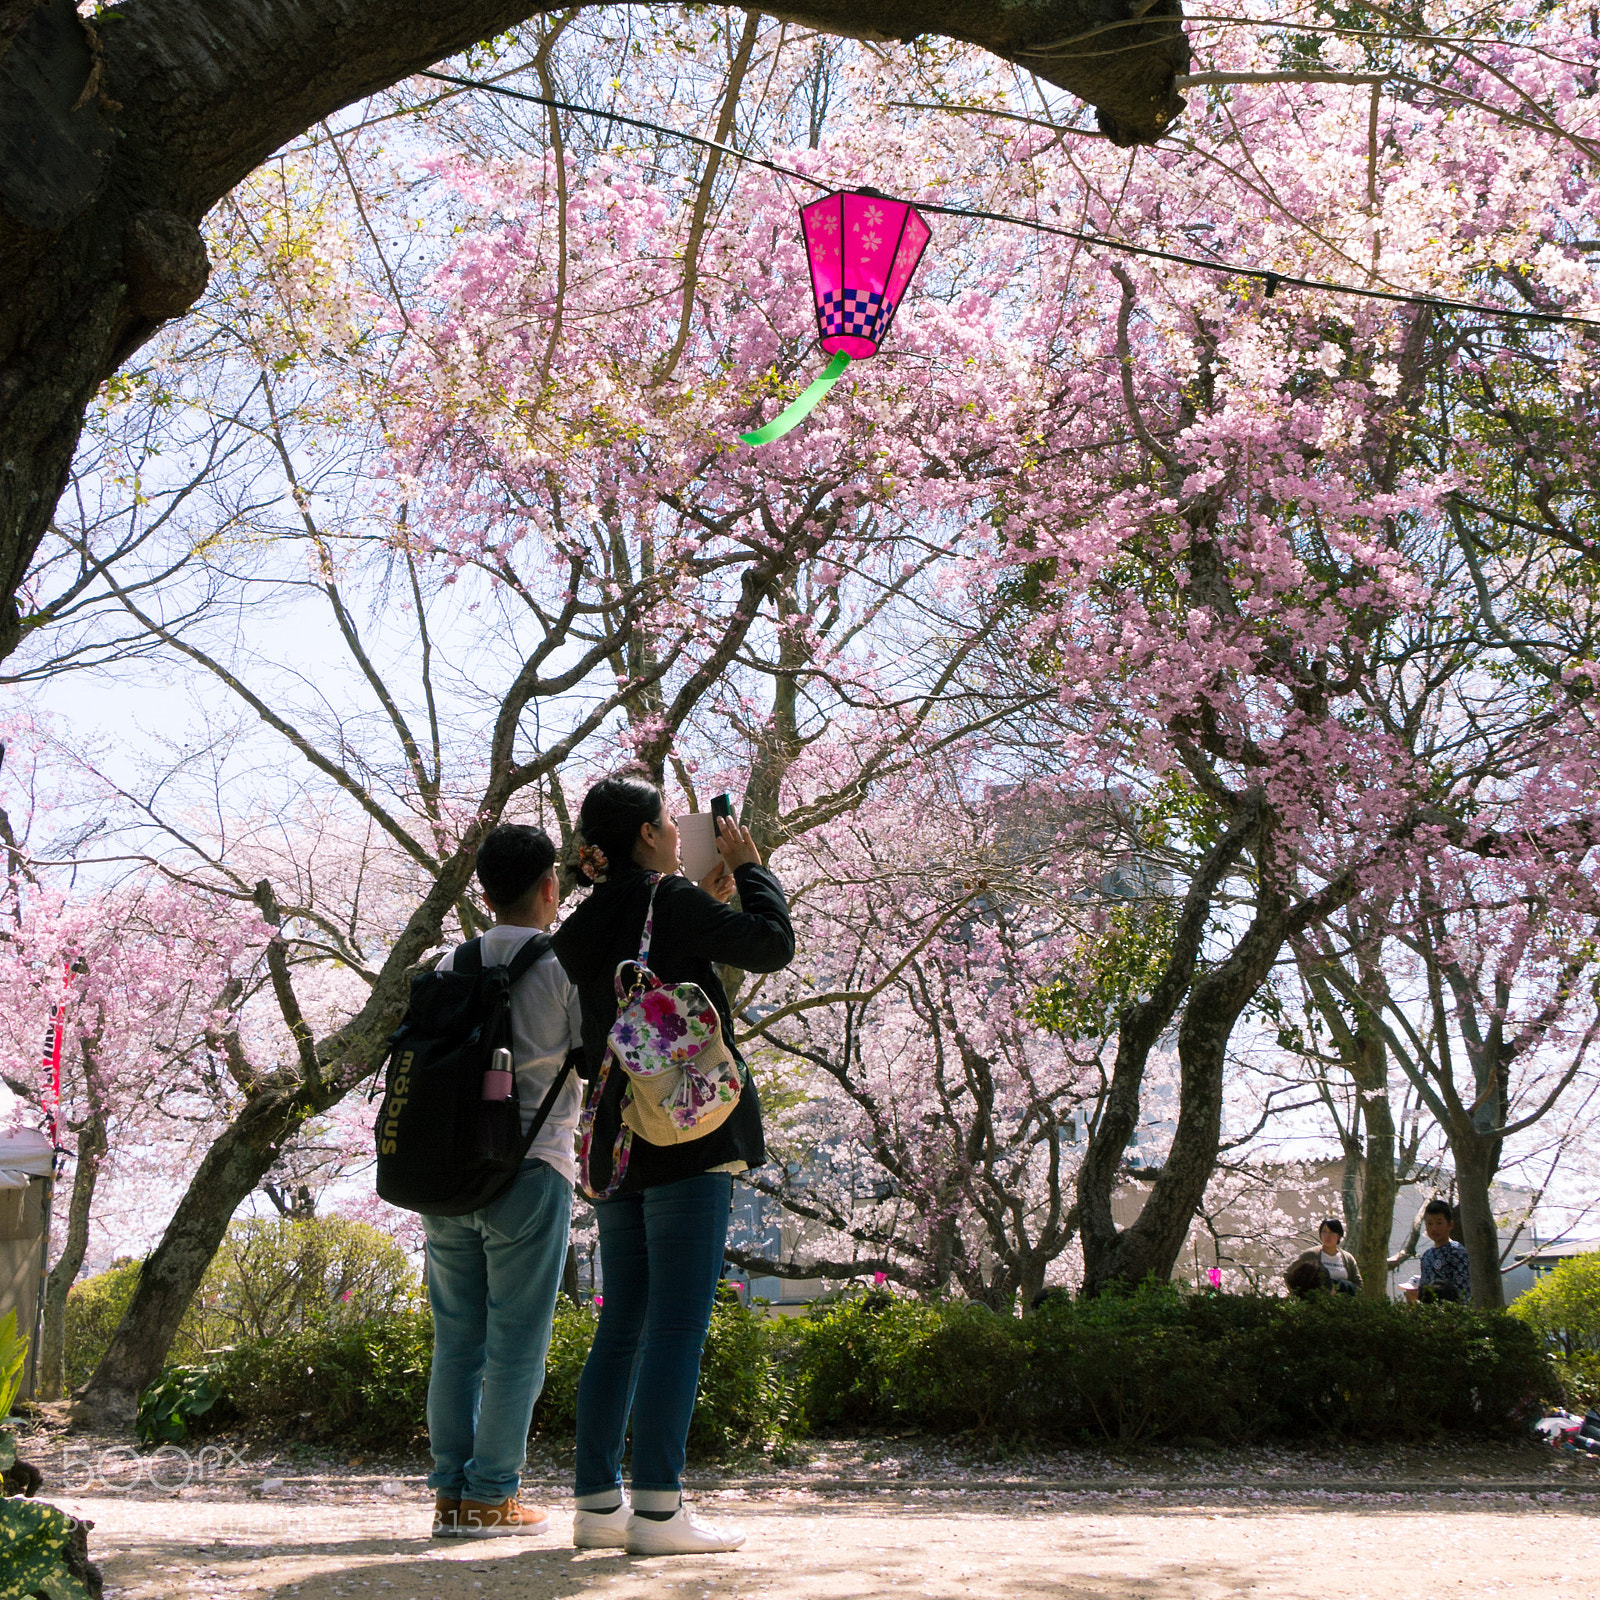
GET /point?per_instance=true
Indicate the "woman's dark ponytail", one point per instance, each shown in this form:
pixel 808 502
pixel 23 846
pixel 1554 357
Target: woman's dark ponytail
pixel 609 821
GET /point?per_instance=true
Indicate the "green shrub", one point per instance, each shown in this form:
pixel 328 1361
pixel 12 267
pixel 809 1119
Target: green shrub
pixel 363 1383
pixel 848 1354
pixel 182 1401
pixel 964 1371
pixel 1152 1365
pixel 285 1275
pixel 1160 1364
pixel 746 1399
pixel 570 1338
pixel 1132 1367
pixel 94 1308
pixel 366 1384
pixel 1563 1309
pixel 1579 1377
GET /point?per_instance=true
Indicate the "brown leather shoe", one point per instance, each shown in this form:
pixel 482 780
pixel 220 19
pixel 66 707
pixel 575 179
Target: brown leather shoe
pixel 475 1519
pixel 445 1512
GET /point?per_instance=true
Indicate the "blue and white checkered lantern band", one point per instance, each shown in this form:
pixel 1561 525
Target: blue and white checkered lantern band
pixel 862 316
pixel 862 248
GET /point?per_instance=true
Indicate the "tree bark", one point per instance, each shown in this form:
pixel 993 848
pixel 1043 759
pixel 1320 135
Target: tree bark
pixel 1380 1186
pixel 1149 1247
pixel 53 1339
pixel 1476 1163
pixel 1141 1026
pixel 1350 1189
pixel 118 135
pixel 1365 1058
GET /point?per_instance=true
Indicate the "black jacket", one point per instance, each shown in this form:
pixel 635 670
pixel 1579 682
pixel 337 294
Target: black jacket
pixel 692 930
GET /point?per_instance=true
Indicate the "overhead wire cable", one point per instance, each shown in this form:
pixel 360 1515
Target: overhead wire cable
pixel 1271 279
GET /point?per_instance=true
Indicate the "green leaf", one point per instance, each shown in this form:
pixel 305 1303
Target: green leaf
pixel 13 1354
pixel 33 1543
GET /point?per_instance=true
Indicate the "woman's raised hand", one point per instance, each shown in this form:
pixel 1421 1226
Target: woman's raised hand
pixel 738 845
pixel 719 882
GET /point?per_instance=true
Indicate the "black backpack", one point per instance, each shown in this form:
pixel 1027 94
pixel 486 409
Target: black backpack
pixel 443 1150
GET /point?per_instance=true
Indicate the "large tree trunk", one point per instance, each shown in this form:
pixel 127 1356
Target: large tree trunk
pixel 236 1162
pixel 1379 1186
pixel 1150 1246
pixel 117 137
pixel 53 1340
pixel 1364 1056
pixel 1474 1158
pixel 1106 1259
pixel 245 1150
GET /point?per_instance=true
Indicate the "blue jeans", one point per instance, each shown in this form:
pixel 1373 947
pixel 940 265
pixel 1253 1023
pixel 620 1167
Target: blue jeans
pixel 661 1257
pixel 492 1281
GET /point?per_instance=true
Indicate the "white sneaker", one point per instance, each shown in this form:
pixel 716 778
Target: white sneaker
pixel 601 1530
pixel 682 1535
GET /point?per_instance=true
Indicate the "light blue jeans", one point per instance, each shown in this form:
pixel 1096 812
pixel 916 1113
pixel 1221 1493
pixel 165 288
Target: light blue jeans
pixel 492 1281
pixel 661 1256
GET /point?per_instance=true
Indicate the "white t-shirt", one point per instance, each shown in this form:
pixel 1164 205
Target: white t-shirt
pixel 545 1024
pixel 1334 1265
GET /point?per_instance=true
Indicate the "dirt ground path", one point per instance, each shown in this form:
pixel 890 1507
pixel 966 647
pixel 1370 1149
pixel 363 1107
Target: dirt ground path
pixel 913 1545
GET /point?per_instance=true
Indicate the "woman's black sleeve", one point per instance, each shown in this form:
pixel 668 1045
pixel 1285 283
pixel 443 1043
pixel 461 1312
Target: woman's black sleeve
pixel 758 938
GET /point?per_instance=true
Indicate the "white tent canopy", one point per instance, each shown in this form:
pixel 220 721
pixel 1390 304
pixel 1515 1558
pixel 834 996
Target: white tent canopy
pixel 24 1154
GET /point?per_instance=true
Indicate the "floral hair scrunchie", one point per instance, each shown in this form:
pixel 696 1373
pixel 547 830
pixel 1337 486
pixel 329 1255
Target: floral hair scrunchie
pixel 593 861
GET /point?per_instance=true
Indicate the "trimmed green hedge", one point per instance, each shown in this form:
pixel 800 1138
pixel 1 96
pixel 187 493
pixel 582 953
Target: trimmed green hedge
pixel 1154 1365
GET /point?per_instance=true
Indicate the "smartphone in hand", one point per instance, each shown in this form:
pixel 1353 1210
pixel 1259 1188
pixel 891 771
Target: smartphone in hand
pixel 721 806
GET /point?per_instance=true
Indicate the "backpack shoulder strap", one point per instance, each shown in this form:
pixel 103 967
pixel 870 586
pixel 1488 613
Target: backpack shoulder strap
pixel 530 951
pixel 468 957
pixel 647 935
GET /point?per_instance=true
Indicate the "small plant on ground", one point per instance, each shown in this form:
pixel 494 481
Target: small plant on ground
pixel 173 1406
pixel 34 1538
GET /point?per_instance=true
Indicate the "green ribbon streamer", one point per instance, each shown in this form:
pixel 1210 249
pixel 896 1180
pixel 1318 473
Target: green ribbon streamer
pixel 803 406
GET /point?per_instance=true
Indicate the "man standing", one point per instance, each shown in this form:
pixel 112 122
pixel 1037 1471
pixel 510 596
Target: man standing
pixel 1446 1271
pixel 493 1274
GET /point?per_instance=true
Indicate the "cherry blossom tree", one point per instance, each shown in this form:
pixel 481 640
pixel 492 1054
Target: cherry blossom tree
pixel 148 981
pixel 1220 577
pixel 943 1103
pixel 126 129
pixel 1161 523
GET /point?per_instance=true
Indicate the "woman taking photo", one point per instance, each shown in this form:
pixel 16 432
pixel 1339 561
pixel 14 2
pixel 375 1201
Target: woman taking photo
pixel 662 1231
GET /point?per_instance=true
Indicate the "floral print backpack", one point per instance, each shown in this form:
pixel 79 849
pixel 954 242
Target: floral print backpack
pixel 683 1080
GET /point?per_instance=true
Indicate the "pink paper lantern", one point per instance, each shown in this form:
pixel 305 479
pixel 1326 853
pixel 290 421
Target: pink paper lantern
pixel 863 248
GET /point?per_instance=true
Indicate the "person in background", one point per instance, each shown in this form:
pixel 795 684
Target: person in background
pixel 1446 1271
pixel 662 1233
pixel 493 1274
pixel 1335 1265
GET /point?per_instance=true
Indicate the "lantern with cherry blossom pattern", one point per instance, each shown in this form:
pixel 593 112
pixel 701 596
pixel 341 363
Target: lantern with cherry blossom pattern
pixel 863 248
